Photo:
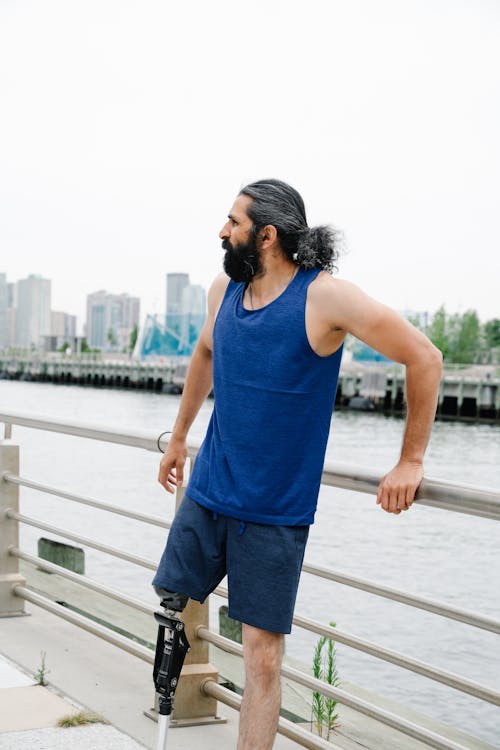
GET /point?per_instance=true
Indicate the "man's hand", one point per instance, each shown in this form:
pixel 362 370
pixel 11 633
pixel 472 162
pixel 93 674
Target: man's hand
pixel 172 463
pixel 397 489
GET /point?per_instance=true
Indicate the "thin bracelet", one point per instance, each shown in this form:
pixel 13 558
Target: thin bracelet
pixel 169 432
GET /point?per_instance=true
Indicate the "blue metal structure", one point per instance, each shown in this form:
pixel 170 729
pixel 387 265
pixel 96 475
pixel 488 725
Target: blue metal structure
pixel 173 335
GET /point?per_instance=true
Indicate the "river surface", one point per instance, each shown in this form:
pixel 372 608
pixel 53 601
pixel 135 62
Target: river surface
pixel 447 556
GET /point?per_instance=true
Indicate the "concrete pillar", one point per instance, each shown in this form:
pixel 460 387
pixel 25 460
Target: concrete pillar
pixel 10 605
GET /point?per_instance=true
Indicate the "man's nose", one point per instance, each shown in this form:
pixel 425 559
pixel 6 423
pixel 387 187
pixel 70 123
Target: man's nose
pixel 224 232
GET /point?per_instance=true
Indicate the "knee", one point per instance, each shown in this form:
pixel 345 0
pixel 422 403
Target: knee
pixel 263 660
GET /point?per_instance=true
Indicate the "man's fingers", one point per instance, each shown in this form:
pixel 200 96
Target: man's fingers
pixel 171 473
pixel 393 500
pixel 165 469
pixel 410 495
pixel 380 491
pixel 401 501
pixel 397 489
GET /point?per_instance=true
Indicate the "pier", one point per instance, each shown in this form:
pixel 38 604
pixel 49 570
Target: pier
pixel 101 639
pixel 469 393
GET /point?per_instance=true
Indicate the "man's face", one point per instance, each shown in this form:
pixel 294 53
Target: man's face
pixel 242 259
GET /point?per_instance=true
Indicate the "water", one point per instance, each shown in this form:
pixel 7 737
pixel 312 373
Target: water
pixel 438 554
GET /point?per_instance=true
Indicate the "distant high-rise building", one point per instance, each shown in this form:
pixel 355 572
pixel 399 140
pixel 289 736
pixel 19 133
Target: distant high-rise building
pixel 62 325
pixel 176 283
pixel 11 294
pixel 192 315
pixel 111 319
pixel 32 311
pixel 11 326
pixel 4 304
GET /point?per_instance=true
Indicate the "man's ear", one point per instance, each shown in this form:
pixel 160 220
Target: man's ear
pixel 268 235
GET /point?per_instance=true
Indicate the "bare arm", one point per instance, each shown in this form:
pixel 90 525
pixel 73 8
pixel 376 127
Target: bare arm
pixel 387 332
pixel 196 389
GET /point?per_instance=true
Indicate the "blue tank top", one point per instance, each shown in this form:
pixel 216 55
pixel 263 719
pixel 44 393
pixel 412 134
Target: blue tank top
pixel 262 457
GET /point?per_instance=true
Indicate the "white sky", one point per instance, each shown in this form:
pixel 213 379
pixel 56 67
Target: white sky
pixel 127 128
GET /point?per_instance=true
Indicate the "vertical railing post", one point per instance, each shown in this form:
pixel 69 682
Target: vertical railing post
pixel 191 705
pixel 10 604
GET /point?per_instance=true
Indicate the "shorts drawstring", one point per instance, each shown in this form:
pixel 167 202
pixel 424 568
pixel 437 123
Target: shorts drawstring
pixel 242 528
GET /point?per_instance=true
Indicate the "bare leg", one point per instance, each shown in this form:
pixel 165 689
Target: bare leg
pixel 262 654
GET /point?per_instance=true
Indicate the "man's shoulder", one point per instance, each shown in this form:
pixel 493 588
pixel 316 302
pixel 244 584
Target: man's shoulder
pixel 325 288
pixel 217 291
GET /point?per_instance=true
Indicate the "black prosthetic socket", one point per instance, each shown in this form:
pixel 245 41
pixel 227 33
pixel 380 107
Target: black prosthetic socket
pixel 171 649
pixel 171 599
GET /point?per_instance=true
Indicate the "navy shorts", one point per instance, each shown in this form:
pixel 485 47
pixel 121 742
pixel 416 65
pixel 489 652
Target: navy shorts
pixel 262 563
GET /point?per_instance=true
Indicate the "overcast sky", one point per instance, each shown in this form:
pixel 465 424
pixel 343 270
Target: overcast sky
pixel 127 128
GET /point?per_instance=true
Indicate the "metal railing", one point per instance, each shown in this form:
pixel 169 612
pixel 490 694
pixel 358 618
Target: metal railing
pixel 13 589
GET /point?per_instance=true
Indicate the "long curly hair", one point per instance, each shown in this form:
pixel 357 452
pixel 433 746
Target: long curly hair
pixel 277 203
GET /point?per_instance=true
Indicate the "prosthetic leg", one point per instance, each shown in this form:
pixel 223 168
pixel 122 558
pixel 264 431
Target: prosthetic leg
pixel 171 649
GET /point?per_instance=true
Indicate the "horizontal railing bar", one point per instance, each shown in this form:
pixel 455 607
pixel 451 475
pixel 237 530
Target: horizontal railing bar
pixel 439 493
pixel 436 493
pixel 400 660
pixel 84 622
pixel 287 728
pixel 347 699
pixel 145 439
pixel 430 605
pixel 144 517
pixel 81 540
pixel 455 681
pixel 136 438
pixel 83 580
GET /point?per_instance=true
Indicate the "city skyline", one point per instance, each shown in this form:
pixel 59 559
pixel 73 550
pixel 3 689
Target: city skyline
pixel 27 316
pixel 186 284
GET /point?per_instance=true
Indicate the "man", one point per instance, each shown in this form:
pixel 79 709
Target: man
pixel 271 347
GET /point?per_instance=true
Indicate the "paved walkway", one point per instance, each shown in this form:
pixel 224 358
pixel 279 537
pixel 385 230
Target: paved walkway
pixel 30 713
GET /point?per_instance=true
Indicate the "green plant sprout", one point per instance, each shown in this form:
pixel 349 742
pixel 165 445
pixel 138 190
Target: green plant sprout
pixel 42 670
pixel 324 715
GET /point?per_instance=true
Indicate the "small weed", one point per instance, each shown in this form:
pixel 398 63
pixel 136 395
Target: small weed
pixel 42 670
pixel 82 717
pixel 324 714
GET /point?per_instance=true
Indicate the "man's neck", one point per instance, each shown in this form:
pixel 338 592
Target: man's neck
pixel 271 283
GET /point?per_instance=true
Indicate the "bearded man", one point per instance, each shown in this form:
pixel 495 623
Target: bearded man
pixel 271 348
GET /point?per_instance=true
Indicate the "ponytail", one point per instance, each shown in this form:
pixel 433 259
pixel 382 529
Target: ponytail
pixel 317 247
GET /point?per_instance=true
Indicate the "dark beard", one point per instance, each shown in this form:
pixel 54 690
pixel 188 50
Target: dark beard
pixel 242 262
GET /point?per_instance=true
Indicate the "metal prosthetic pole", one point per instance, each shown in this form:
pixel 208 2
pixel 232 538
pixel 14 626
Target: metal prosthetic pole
pixel 171 649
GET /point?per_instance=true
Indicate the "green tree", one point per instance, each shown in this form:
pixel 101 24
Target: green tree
pixel 133 338
pixel 437 331
pixel 468 338
pixel 112 337
pixel 492 333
